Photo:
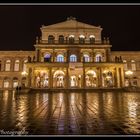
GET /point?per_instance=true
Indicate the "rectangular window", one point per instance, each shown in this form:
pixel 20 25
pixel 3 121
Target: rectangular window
pixel 125 66
pixel 16 68
pixel 133 65
pixel 24 67
pixel 7 67
pixel 15 84
pixel 6 84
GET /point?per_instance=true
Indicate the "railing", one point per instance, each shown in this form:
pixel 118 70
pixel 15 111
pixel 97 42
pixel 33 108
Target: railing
pixel 76 42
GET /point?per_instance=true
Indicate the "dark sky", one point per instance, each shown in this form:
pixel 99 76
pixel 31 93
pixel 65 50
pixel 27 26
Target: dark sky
pixel 19 25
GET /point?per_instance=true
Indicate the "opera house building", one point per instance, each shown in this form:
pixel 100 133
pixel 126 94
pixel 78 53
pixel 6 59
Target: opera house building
pixel 70 55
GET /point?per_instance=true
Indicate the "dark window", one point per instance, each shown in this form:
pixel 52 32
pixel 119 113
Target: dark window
pixel 81 40
pixel 61 39
pixel 92 40
pixel 71 39
pixel 50 39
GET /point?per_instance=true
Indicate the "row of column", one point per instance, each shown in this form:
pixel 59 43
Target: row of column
pixel 118 78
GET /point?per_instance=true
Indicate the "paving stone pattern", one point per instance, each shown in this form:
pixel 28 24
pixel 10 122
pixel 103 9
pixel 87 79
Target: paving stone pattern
pixel 70 113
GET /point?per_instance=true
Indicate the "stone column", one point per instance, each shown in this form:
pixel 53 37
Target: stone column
pixel 32 78
pixel 84 78
pixel 100 78
pixel 50 78
pixel 37 55
pixel 29 77
pixel 122 77
pixel 67 78
pixel 118 77
pixel 52 55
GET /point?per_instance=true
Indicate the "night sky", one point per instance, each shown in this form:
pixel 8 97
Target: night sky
pixel 19 25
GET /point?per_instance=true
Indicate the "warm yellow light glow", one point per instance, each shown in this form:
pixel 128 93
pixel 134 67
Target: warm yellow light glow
pixel 108 77
pixel 71 36
pixel 129 73
pixel 91 72
pixel 105 71
pixel 91 36
pixel 24 73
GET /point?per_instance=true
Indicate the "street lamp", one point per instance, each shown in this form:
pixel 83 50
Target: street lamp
pixel 129 73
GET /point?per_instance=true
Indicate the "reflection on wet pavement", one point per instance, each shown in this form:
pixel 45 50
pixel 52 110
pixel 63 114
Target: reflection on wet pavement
pixel 70 113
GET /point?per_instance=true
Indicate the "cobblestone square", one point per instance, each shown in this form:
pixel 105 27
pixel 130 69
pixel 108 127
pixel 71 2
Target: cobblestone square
pixel 70 113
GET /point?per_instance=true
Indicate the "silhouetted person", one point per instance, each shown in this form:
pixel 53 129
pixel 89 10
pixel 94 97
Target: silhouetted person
pixel 19 88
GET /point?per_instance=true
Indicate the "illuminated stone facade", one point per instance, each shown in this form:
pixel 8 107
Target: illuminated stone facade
pixel 70 54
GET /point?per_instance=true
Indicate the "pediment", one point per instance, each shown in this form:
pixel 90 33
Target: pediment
pixel 71 24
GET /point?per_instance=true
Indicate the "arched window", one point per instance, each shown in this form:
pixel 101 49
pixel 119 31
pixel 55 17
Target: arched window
pixel 98 58
pixel 6 82
pixel 73 58
pixel 8 65
pixel 15 82
pixel 61 39
pixel 0 65
pixel 71 39
pixel 24 65
pixel 86 58
pixel 16 66
pixel 58 78
pixel 81 39
pixel 60 58
pixel 133 64
pixel 47 58
pixel 50 39
pixel 92 39
pixel 125 64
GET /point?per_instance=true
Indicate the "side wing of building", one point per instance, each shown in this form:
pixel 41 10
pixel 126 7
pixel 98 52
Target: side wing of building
pixel 13 67
pixel 131 60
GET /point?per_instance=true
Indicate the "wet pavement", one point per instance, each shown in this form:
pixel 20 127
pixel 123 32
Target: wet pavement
pixel 69 113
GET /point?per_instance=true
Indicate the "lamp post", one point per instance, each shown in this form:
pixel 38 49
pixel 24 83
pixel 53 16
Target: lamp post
pixel 129 74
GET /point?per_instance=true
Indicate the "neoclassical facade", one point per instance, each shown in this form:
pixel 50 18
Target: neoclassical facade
pixel 69 54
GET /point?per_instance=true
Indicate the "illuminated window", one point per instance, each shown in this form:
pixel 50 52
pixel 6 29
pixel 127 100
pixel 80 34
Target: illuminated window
pixel 133 65
pixel 81 39
pixel 61 39
pixel 24 65
pixel 73 58
pixel 125 64
pixel 71 39
pixel 98 58
pixel 86 58
pixel 50 39
pixel 6 84
pixel 60 58
pixel 92 39
pixel 47 58
pixel 15 82
pixel 16 66
pixel 8 65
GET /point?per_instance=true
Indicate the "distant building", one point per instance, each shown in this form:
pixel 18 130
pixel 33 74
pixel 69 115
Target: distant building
pixel 70 54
